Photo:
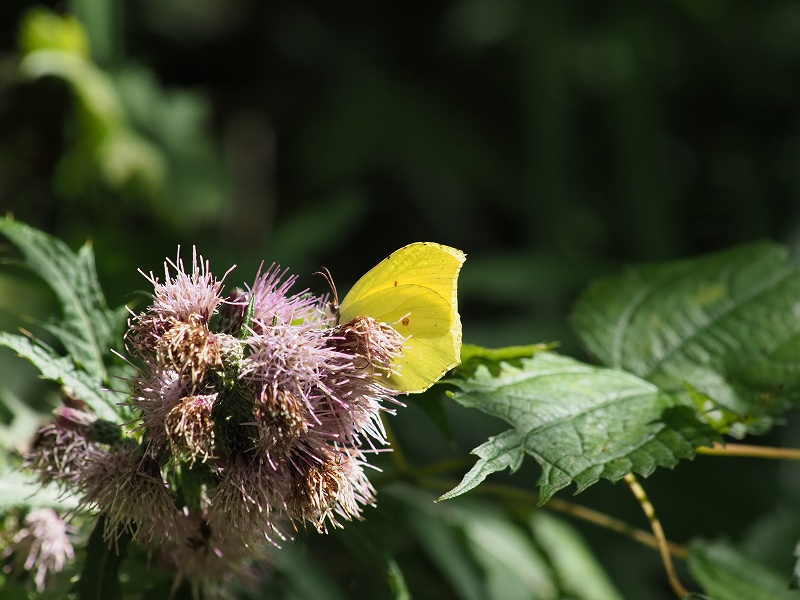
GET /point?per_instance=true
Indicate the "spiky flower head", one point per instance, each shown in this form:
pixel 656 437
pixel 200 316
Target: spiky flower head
pixel 255 410
pixel 42 546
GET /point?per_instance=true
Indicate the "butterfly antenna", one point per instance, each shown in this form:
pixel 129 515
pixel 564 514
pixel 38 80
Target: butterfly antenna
pixel 332 308
pixel 326 274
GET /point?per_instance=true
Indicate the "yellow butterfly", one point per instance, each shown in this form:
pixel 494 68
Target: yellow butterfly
pixel 414 291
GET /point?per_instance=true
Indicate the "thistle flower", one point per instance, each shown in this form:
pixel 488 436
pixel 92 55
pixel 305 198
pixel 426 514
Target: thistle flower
pixel 43 546
pixel 60 451
pixel 208 561
pixel 130 491
pixel 254 416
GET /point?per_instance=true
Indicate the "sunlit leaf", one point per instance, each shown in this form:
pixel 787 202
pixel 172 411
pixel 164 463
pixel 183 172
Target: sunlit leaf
pixel 728 325
pixel 472 356
pixel 42 29
pixel 581 423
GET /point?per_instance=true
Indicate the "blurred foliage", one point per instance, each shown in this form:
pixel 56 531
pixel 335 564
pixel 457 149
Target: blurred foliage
pixel 551 141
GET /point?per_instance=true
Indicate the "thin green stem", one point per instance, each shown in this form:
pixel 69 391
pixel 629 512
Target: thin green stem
pixel 658 532
pixel 750 451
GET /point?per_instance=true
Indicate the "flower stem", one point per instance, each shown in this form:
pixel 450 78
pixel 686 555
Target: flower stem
pixel 751 451
pixel 658 532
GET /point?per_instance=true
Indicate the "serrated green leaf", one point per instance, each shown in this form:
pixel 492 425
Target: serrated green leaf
pixel 62 370
pixel 581 423
pixel 504 451
pixel 88 329
pixel 727 574
pixel 472 356
pixel 580 575
pixel 727 325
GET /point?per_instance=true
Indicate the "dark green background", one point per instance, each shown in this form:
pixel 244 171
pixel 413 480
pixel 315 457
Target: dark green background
pixel 553 142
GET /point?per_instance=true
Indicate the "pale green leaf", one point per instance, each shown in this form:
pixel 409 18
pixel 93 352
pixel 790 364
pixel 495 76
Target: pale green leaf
pixel 62 370
pixel 20 488
pixel 576 567
pixel 505 451
pixel 507 353
pixel 446 550
pixel 580 422
pixel 94 89
pixel 726 574
pixel 472 356
pixel 481 552
pixel 727 326
pixel 23 423
pixel 514 568
pixel 397 581
pixel 43 29
pixel 88 328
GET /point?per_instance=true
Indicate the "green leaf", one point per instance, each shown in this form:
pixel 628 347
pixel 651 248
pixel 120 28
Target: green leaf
pixel 397 582
pixel 20 488
pixel 727 574
pixel 88 329
pixel 100 110
pixel 513 566
pixel 105 149
pixel 581 423
pixel 447 551
pixel 480 550
pixel 62 370
pixel 22 424
pixel 472 356
pixel 726 324
pixel 577 569
pixel 100 575
pixel 43 29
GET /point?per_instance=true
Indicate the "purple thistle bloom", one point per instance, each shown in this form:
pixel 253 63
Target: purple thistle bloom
pixel 246 504
pixel 190 429
pixel 250 423
pixel 60 455
pixel 156 392
pixel 43 546
pixel 131 492
pixel 273 305
pixel 200 555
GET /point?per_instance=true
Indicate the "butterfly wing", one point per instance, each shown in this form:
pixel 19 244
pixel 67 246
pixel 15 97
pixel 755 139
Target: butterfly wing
pixel 414 291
